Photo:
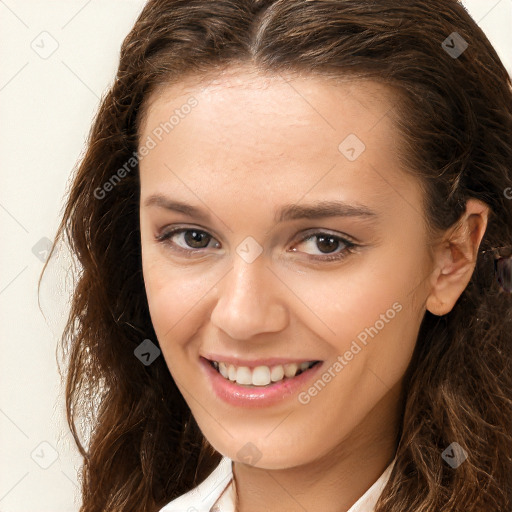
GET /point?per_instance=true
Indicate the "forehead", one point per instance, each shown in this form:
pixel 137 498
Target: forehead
pixel 296 96
pixel 282 134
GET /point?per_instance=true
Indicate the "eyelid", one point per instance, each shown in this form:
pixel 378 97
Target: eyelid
pixel 172 229
pixel 316 231
pixel 307 234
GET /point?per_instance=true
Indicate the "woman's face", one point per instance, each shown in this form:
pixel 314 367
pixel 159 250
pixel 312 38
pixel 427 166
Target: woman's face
pixel 262 274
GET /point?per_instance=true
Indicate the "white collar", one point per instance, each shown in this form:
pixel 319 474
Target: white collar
pixel 203 497
pixel 216 493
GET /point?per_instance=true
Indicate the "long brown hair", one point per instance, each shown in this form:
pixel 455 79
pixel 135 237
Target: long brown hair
pixel 454 115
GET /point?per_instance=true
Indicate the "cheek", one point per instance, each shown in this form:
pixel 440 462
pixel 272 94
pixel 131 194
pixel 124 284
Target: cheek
pixel 176 299
pixel 387 315
pixel 170 298
pixel 347 303
pixel 368 315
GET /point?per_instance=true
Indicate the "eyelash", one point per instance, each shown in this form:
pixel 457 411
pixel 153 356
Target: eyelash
pixel 350 246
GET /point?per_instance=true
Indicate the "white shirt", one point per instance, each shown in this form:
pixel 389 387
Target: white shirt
pixel 217 493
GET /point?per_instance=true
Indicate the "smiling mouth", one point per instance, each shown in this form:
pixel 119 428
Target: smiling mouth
pixel 261 375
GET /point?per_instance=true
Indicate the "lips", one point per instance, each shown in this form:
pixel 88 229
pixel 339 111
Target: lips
pixel 257 374
pixel 257 396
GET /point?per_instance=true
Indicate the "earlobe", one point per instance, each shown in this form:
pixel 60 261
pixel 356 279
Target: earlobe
pixel 455 258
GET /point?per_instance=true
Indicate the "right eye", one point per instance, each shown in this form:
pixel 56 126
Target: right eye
pixel 191 239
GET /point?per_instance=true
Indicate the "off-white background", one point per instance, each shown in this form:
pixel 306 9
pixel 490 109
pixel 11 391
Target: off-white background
pixel 47 103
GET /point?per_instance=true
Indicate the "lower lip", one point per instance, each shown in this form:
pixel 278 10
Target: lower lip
pixel 264 396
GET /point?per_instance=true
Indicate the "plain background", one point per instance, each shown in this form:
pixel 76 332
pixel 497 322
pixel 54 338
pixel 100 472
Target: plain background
pixel 57 59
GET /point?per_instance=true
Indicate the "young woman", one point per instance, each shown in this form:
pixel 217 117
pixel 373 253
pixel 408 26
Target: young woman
pixel 294 221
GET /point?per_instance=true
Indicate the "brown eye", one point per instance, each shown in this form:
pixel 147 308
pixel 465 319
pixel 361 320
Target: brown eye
pixel 196 239
pixel 187 239
pixel 328 244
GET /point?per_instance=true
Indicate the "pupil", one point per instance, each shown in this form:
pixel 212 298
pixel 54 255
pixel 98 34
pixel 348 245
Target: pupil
pixel 194 237
pixel 331 241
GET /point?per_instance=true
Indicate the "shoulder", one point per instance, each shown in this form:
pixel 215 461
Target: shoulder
pixel 202 497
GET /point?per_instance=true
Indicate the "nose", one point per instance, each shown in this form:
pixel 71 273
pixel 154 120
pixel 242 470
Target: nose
pixel 250 301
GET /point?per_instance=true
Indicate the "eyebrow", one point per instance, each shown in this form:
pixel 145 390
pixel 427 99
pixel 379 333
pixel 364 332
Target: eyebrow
pixel 286 212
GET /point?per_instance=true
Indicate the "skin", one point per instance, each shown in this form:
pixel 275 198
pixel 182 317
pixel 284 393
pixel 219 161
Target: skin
pixel 252 144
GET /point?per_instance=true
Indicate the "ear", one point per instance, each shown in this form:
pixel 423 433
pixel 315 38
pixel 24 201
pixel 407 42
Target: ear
pixel 455 258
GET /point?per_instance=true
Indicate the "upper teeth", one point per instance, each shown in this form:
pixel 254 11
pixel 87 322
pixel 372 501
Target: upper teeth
pixel 260 375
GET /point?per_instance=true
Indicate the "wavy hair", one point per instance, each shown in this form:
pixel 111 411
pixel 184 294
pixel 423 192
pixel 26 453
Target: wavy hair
pixel 454 117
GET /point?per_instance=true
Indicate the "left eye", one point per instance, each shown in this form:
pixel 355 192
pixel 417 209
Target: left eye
pixel 326 242
pixel 190 239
